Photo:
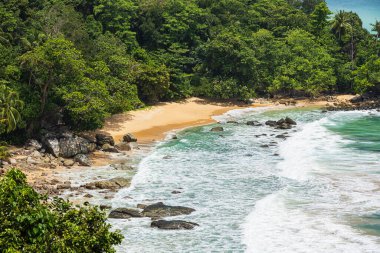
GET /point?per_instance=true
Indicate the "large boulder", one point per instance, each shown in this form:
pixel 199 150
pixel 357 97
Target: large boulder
pixel 33 145
pixel 161 210
pixel 110 149
pixel 125 213
pixel 173 224
pixel 102 139
pixel 114 183
pixel 290 121
pixel 124 146
pixel 129 138
pixel 72 146
pixel 52 145
pixel 83 160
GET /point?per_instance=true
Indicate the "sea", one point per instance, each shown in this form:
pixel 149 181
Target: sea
pixel 313 188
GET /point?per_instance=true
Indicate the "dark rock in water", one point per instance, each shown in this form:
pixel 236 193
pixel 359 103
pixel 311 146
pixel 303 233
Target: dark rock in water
pixel 232 122
pixel 82 160
pixel 271 123
pixel 264 146
pixel 253 123
pixel 125 213
pixel 174 224
pixel 129 138
pixel 281 136
pixel 88 195
pixel 141 206
pixel 284 126
pixel 160 210
pixel 176 192
pixel 290 121
pixel 52 145
pixel 72 146
pixel 174 137
pixel 217 129
pixel 114 183
pixel 102 139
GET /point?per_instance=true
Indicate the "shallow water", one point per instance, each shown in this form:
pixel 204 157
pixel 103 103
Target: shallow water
pixel 316 191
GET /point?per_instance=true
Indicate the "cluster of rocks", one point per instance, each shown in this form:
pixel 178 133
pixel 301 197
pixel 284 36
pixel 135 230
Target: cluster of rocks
pixel 156 212
pixel 286 123
pixel 356 103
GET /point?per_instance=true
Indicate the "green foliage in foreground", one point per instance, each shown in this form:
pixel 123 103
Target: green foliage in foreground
pixel 31 223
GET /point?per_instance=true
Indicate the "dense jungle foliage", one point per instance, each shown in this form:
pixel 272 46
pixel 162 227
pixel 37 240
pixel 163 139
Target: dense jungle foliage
pixel 88 59
pixel 30 223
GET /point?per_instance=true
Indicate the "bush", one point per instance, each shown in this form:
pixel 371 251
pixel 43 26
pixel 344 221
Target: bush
pixel 30 222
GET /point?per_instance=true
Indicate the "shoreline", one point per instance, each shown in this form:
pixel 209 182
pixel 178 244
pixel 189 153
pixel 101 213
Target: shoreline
pixel 152 125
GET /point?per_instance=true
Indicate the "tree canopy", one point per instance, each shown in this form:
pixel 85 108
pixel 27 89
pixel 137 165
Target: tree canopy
pixel 93 58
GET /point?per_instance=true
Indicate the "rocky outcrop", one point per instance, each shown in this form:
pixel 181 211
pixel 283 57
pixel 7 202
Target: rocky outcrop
pixel 114 183
pixel 102 138
pixel 125 213
pixel 129 138
pixel 33 145
pixel 174 224
pixel 52 145
pixel 124 146
pixel 109 148
pixel 159 210
pixel 83 160
pixel 253 123
pixel 286 123
pixel 217 129
pixel 72 146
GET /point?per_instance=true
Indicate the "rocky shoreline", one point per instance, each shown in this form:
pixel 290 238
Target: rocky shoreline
pixel 47 158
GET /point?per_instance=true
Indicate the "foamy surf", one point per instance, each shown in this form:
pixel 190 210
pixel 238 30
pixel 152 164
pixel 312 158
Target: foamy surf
pixel 309 214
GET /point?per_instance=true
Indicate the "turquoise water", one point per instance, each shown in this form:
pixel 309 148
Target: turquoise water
pixel 368 10
pixel 316 191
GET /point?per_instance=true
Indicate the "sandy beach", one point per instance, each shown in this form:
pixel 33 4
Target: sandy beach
pixel 152 123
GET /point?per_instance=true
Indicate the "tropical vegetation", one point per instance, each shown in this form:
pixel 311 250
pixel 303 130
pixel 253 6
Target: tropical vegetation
pixel 88 59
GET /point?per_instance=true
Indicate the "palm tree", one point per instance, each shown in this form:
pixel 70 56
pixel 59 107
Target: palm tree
pixel 341 24
pixel 9 106
pixel 376 28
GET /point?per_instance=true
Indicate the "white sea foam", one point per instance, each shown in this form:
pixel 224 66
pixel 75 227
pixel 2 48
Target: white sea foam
pixel 303 216
pixel 273 227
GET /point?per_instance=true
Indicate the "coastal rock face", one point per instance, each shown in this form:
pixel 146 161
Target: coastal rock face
pixel 129 138
pixel 161 210
pixel 115 183
pixel 102 139
pixel 72 146
pixel 217 129
pixel 174 224
pixel 82 160
pixel 125 213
